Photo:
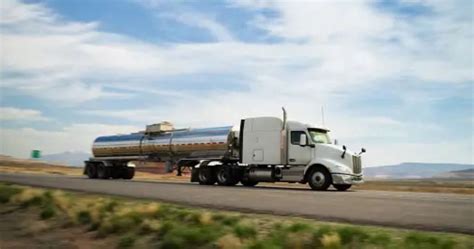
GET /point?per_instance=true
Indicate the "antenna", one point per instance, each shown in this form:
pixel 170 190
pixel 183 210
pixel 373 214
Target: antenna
pixel 322 116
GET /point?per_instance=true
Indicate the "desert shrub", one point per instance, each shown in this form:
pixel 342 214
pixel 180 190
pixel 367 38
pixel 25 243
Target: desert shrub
pixel 109 206
pixel 150 226
pixel 421 241
pixel 229 241
pixel 7 192
pixel 352 235
pixel 48 211
pixel 84 217
pixel 126 241
pixel 380 239
pixel 264 244
pixel 331 241
pixel 189 236
pixel 298 227
pixel 205 218
pixel 245 231
pixel 28 197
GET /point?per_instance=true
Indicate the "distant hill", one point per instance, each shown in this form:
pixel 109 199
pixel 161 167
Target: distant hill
pixel 69 158
pixel 415 170
pixel 458 174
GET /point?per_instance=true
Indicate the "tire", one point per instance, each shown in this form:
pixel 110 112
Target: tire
pixel 103 172
pixel 116 172
pixel 128 173
pixel 91 171
pixel 342 187
pixel 319 179
pixel 206 176
pixel 248 183
pixel 225 177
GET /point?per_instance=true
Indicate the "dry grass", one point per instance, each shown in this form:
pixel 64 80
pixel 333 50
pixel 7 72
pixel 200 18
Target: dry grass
pixel 159 225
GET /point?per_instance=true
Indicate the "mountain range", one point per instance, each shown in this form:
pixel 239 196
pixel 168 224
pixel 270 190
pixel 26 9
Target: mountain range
pixel 419 170
pixel 69 158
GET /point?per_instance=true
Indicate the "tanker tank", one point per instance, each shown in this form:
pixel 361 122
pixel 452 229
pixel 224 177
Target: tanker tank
pixel 169 144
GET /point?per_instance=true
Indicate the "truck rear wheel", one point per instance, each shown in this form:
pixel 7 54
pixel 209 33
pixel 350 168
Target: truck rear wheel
pixel 206 176
pixel 225 176
pixel 342 187
pixel 128 173
pixel 103 172
pixel 319 179
pixel 91 171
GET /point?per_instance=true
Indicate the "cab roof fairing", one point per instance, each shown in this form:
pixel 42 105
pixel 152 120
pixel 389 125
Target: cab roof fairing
pixel 299 125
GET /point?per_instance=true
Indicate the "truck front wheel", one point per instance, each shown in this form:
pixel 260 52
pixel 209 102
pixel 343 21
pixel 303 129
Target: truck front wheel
pixel 319 179
pixel 342 187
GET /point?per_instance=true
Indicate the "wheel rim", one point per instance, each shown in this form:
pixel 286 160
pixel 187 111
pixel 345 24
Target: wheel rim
pixel 318 179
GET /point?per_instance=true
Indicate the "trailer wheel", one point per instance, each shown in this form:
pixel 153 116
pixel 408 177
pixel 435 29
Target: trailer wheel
pixel 206 176
pixel 128 173
pixel 91 171
pixel 319 179
pixel 248 183
pixel 342 187
pixel 225 176
pixel 116 172
pixel 103 172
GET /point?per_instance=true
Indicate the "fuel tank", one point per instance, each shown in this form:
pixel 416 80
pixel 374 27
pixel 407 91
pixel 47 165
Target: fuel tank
pixel 203 142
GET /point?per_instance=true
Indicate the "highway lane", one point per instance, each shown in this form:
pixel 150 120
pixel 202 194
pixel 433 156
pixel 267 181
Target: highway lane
pixel 426 211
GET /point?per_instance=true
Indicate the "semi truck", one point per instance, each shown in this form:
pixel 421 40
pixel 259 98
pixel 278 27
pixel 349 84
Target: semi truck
pixel 260 149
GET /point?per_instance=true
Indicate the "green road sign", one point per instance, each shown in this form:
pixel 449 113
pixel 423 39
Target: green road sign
pixel 36 154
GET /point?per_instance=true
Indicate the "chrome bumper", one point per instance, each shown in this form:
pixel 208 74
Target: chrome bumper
pixel 347 179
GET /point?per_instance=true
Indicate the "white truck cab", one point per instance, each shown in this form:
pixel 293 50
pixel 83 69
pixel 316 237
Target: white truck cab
pixel 297 152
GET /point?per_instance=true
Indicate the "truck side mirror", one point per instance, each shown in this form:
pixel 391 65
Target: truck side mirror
pixel 303 140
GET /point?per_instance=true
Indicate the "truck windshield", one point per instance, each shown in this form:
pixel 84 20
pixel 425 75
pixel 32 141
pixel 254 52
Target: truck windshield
pixel 319 136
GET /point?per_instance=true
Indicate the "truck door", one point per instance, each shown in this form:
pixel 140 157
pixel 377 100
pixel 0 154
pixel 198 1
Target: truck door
pixel 298 155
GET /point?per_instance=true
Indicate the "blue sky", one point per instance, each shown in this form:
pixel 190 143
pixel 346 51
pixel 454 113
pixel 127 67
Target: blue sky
pixel 393 76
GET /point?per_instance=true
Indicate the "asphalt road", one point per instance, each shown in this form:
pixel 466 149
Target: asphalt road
pixel 426 211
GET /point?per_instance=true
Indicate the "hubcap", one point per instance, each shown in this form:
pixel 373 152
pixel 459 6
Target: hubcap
pixel 318 179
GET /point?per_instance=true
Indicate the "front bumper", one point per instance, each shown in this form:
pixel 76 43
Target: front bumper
pixel 347 179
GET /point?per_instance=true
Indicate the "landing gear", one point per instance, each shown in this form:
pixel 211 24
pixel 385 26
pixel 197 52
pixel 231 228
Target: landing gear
pixel 342 187
pixel 319 179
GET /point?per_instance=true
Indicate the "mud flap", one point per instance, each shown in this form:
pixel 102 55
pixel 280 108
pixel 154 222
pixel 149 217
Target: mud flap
pixel 195 175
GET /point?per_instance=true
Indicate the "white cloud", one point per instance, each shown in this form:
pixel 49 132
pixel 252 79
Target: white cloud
pixel 201 21
pixel 328 47
pixel 12 113
pixel 77 137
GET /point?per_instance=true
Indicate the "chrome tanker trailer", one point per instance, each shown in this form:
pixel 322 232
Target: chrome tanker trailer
pixel 262 149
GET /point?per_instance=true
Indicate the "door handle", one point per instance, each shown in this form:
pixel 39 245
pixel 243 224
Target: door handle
pixel 292 160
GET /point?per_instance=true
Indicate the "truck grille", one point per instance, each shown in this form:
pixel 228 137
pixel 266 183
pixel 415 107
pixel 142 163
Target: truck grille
pixel 356 164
